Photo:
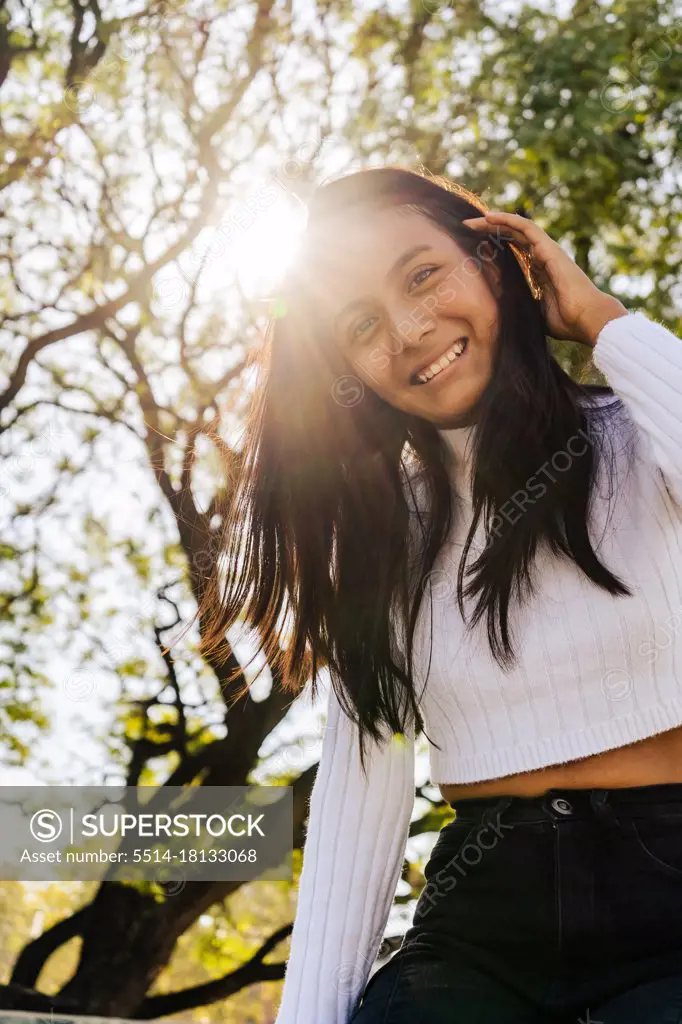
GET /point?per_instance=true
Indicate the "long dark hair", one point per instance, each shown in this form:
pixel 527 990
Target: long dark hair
pixel 322 521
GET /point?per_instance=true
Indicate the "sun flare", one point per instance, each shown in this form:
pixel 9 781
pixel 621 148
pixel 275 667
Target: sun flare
pixel 255 246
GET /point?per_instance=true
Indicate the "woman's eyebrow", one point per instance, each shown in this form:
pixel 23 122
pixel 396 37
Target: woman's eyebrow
pixel 404 258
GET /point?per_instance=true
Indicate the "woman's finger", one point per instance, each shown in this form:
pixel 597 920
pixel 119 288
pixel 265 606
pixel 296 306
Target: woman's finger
pixel 516 222
pixel 520 228
pixel 508 235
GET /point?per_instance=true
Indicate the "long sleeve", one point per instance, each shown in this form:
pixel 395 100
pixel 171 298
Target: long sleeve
pixel 642 361
pixel 353 855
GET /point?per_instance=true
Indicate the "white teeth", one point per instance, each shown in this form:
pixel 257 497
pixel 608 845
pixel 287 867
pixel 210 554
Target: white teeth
pixel 448 357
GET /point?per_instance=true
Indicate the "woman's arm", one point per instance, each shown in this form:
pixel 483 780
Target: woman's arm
pixel 642 361
pixel 352 859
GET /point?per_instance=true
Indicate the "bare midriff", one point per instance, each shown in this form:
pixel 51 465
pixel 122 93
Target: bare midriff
pixel 648 762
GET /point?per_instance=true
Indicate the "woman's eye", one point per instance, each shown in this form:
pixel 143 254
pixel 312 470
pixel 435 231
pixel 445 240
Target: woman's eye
pixel 422 275
pixel 356 330
pixel 417 279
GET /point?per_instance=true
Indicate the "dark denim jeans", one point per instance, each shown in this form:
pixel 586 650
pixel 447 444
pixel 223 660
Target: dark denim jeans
pixel 564 908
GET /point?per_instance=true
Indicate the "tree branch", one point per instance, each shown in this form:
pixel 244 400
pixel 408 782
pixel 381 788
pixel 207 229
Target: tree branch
pixel 33 956
pixel 250 973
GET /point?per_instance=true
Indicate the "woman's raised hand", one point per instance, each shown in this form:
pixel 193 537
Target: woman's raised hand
pixel 574 308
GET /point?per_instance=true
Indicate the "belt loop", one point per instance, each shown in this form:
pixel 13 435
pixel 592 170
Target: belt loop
pixel 600 803
pixel 497 808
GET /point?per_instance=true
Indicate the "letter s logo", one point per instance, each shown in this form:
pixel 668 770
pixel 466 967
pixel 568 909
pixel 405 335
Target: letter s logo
pixel 45 825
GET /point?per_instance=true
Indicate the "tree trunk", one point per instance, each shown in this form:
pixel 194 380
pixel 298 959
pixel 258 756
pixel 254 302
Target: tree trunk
pixel 128 941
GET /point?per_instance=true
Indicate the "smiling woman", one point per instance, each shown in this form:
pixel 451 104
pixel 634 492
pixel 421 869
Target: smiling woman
pixel 346 514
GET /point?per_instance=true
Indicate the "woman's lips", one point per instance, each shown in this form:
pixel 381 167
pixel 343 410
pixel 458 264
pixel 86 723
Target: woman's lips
pixel 443 372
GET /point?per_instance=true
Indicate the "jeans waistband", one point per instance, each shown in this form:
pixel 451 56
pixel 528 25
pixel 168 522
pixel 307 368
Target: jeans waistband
pixel 556 804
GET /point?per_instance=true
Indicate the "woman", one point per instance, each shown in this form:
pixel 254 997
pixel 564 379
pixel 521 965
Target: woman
pixel 412 430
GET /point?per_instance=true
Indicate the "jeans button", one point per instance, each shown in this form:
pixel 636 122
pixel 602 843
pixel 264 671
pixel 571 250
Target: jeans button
pixel 561 805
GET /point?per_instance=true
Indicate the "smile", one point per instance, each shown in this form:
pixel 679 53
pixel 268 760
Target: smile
pixel 442 364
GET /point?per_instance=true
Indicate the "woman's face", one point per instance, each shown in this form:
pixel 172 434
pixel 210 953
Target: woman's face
pixel 400 296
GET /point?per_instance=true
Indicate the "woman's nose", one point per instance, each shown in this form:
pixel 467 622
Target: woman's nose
pixel 409 342
pixel 410 325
